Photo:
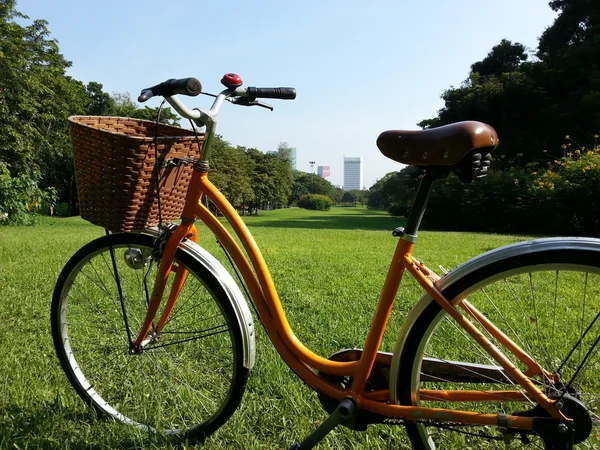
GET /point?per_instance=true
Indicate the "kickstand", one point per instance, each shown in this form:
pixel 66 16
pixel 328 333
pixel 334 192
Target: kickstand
pixel 343 412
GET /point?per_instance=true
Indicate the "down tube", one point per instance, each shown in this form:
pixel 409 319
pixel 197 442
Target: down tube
pixel 300 368
pixel 276 322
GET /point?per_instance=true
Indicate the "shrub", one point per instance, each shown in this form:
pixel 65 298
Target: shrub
pixel 19 196
pixel 315 201
pixel 568 191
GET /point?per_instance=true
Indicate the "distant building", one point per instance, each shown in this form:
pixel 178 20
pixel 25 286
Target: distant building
pixel 289 154
pixel 323 171
pixel 292 158
pixel 353 178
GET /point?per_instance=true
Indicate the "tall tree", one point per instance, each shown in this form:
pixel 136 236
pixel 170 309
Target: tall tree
pixel 570 54
pixel 231 172
pixel 271 180
pixel 533 105
pixel 98 102
pixel 504 57
pixel 35 95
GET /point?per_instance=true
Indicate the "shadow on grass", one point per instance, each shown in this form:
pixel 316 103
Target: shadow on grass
pixel 360 221
pixel 47 427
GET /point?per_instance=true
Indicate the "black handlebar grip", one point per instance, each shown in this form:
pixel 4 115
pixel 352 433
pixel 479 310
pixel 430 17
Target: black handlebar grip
pixel 145 95
pixel 184 86
pixel 283 93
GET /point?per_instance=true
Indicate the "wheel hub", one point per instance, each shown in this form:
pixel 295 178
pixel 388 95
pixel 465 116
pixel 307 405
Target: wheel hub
pixel 572 408
pixel 136 258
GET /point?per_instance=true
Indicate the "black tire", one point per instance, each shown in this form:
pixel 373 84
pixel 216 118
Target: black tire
pixel 543 301
pixel 187 382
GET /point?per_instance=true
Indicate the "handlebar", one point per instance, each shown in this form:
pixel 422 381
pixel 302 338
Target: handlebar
pixel 234 94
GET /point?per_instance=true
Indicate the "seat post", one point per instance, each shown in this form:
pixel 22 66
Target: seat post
pixel 420 204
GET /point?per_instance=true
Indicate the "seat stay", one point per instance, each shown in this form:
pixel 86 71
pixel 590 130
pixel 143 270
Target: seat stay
pixel 533 366
pixel 413 267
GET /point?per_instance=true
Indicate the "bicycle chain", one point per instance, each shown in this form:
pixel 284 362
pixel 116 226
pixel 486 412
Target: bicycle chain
pixel 445 425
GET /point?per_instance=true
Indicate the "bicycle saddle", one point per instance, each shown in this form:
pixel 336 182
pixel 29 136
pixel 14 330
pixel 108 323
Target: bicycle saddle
pixel 442 146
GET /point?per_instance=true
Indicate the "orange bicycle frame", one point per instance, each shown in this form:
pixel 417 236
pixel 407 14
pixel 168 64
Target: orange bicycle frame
pixel 303 361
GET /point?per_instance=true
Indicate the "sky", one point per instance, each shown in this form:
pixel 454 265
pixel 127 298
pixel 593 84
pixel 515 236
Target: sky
pixel 359 67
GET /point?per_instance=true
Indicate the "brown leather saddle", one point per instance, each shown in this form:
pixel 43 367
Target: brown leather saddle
pixel 442 146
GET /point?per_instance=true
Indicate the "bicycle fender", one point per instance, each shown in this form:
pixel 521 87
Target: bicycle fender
pixel 234 295
pixel 476 263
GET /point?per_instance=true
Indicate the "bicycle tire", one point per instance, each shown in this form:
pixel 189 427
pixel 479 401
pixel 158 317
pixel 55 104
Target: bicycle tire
pixel 541 285
pixel 167 388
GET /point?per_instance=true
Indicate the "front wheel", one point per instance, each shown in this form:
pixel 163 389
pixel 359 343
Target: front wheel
pixel 547 302
pixel 190 377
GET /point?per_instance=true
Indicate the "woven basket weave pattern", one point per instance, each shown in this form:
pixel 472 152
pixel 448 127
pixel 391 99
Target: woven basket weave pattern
pixel 114 161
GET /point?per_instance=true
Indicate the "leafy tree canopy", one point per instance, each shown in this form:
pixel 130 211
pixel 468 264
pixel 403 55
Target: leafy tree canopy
pixel 533 105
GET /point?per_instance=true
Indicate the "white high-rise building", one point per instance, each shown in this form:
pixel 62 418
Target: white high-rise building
pixel 353 178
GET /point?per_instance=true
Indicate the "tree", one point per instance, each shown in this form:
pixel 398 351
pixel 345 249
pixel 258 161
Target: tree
pixel 395 191
pixel 533 105
pixel 569 51
pixel 575 29
pixel 124 106
pixel 310 183
pixel 354 196
pixel 231 172
pixel 35 95
pixel 271 181
pixel 504 57
pixel 98 102
pixel 337 194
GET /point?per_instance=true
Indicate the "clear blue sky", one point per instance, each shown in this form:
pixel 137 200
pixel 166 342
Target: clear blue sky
pixel 360 67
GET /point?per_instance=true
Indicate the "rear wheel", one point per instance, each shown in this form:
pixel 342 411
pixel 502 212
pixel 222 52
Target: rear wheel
pixel 549 304
pixel 188 380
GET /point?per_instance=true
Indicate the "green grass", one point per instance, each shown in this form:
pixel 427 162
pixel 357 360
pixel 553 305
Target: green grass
pixel 328 267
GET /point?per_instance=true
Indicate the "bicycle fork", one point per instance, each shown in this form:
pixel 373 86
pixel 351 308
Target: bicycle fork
pixel 186 230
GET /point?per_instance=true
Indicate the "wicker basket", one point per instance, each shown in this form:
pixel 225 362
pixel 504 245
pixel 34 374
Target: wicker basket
pixel 114 166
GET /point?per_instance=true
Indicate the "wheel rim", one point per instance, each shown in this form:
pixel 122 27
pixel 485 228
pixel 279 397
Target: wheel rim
pixel 531 305
pixel 181 382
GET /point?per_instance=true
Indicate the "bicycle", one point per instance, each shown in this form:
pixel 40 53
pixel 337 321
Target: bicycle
pixel 466 370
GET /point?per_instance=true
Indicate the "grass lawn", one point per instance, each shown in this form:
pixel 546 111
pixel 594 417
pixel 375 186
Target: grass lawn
pixel 329 268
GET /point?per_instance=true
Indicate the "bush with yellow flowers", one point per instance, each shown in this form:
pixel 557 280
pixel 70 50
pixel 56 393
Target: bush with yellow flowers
pixel 567 192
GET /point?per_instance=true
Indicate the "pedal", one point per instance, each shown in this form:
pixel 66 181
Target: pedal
pixel 345 410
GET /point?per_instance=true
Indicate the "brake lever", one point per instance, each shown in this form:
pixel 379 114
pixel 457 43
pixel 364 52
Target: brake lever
pixel 262 105
pixel 248 102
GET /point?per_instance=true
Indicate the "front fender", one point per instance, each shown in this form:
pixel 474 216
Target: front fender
pixel 234 295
